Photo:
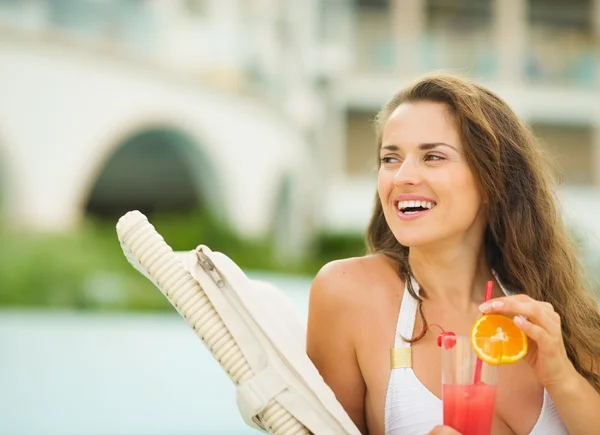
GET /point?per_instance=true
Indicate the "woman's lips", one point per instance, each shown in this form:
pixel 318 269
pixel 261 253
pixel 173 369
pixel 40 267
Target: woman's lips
pixel 413 215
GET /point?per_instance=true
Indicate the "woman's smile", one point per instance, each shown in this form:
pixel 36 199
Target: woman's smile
pixel 411 207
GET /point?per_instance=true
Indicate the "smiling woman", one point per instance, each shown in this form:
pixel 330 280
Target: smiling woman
pixel 422 147
pixel 464 196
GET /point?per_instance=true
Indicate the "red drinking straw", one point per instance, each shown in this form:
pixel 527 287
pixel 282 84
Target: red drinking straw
pixel 489 288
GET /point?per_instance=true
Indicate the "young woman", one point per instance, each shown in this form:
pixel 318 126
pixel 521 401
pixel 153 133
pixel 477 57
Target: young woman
pixel 463 197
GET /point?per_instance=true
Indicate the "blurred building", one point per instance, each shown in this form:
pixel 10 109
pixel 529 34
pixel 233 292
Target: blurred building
pixel 115 105
pixel 263 108
pixel 542 56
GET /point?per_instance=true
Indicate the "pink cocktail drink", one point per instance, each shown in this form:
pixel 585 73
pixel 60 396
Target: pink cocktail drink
pixel 469 408
pixel 468 387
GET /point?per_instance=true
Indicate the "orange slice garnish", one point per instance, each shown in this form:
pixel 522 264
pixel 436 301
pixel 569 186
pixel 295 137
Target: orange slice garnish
pixel 497 340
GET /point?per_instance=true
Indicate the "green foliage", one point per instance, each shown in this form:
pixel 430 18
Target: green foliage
pixel 86 269
pixel 590 259
pixel 328 247
pixel 83 270
pixel 184 232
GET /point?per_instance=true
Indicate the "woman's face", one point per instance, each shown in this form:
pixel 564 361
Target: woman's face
pixel 428 192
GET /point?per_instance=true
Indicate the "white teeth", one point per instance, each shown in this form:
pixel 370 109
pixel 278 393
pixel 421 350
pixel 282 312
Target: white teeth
pixel 412 204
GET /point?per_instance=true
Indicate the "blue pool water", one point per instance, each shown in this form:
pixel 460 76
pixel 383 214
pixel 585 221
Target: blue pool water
pixel 64 373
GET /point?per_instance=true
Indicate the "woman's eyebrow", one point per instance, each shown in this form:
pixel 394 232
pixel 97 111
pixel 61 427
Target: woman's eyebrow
pixel 432 145
pixel 423 147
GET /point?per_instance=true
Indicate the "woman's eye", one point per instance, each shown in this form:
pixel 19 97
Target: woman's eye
pixel 433 158
pixel 388 159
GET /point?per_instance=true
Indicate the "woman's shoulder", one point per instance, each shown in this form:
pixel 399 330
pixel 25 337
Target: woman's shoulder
pixel 365 267
pixel 347 282
pixel 339 309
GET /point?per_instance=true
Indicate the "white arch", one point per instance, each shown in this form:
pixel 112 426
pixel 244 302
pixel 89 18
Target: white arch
pixel 105 151
pixel 65 111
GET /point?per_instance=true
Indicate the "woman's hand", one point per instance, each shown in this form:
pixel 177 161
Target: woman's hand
pixel 539 321
pixel 443 430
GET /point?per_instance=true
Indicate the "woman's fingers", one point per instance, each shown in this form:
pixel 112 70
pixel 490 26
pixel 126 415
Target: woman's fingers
pixel 444 430
pixel 536 319
pixel 533 331
pixel 540 313
pixel 542 324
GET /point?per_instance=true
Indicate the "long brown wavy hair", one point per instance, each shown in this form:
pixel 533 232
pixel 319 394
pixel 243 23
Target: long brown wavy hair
pixel 526 242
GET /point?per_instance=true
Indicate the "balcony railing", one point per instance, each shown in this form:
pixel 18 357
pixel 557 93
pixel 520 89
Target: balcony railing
pixel 554 53
pixel 561 55
pixel 125 23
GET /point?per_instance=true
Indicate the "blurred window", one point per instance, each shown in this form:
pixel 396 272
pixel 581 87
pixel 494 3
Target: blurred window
pixel 459 36
pixel 125 22
pixel 561 42
pixel 361 146
pixel 377 4
pixel 571 147
pixel 374 42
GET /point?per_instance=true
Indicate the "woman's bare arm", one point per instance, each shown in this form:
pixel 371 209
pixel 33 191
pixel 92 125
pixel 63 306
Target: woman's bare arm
pixel 577 402
pixel 330 339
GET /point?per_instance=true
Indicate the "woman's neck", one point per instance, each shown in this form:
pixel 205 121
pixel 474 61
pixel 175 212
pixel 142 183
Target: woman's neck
pixel 454 276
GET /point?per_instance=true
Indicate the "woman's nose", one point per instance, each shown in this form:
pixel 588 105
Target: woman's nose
pixel 408 174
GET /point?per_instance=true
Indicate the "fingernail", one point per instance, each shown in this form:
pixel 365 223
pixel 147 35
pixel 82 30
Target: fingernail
pixel 519 320
pixel 489 306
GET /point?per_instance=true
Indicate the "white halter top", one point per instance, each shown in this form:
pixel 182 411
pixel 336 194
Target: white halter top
pixel 411 409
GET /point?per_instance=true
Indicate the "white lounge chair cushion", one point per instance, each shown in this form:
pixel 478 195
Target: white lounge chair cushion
pixel 271 333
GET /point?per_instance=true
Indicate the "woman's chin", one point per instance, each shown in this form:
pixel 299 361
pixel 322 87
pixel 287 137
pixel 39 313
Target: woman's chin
pixel 413 243
pixel 416 240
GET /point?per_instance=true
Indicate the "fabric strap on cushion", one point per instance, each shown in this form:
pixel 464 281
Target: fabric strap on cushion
pixel 254 394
